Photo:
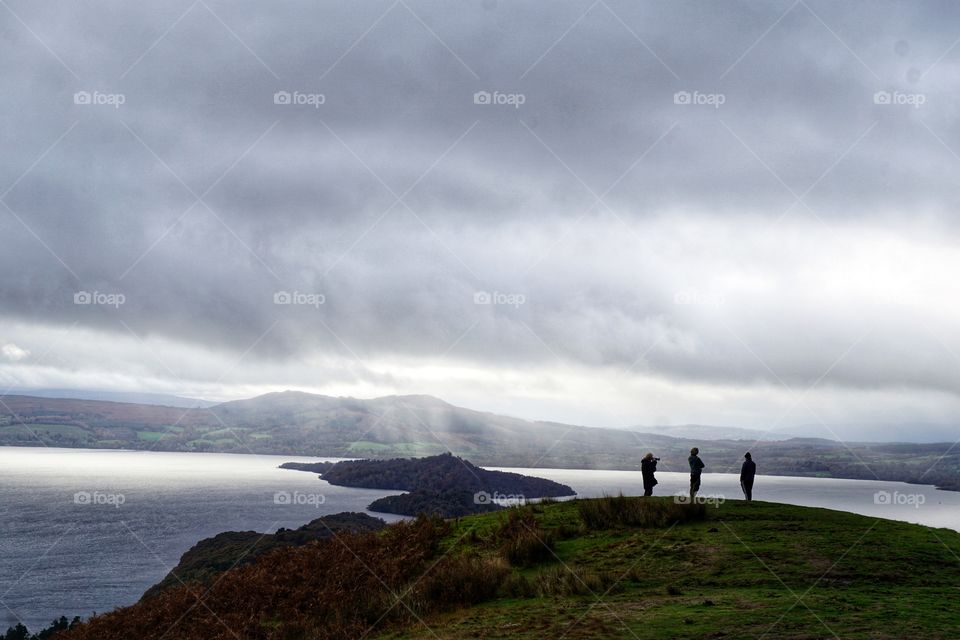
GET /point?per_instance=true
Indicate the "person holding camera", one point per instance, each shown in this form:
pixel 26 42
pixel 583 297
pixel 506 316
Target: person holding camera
pixel 648 466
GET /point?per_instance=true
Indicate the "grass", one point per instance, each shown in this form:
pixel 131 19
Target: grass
pixel 366 445
pixel 740 570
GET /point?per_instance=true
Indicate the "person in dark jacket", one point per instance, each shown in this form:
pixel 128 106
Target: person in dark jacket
pixel 648 466
pixel 696 467
pixel 747 473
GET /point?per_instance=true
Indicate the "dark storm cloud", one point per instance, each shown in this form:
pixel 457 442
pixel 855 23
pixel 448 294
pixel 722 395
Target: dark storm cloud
pixel 399 198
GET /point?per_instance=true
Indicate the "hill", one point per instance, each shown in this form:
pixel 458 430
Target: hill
pixel 133 397
pixel 303 424
pixel 604 568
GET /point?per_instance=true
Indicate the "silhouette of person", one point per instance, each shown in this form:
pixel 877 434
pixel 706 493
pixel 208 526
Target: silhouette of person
pixel 747 473
pixel 696 466
pixel 648 466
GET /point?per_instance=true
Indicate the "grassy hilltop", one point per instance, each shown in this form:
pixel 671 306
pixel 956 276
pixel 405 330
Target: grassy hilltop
pixel 747 570
pixel 612 567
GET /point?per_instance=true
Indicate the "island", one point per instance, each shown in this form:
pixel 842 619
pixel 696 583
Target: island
pixel 444 485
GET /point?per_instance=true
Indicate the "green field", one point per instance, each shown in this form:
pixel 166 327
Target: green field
pixel 757 570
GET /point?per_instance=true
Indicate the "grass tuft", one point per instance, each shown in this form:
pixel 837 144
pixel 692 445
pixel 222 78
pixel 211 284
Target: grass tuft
pixel 611 512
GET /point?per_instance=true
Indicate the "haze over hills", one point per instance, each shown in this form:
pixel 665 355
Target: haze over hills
pixel 292 402
pixel 302 424
pixel 924 433
pixel 709 432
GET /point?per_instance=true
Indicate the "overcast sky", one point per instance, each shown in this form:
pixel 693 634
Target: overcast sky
pixel 607 213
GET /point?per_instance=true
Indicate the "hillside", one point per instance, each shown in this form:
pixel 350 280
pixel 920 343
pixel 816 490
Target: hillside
pixel 236 548
pixel 604 568
pixel 302 424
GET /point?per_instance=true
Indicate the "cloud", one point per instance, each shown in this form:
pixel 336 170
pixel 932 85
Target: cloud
pixel 13 353
pixel 797 232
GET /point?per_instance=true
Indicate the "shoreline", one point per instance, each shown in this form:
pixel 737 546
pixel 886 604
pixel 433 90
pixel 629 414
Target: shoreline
pixel 332 458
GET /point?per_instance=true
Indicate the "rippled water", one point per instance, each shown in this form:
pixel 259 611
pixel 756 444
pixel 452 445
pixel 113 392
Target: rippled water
pixel 137 512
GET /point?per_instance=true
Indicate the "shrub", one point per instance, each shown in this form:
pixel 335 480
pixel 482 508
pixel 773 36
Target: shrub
pixel 459 580
pixel 523 542
pixel 574 581
pixel 518 586
pixel 611 512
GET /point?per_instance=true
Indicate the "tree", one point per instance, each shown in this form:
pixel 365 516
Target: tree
pixel 18 632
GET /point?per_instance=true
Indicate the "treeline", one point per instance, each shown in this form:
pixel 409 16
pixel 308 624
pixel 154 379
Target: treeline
pixel 20 632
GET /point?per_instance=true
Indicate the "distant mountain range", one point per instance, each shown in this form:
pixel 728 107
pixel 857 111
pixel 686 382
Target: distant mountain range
pixel 302 424
pixel 918 432
pixel 132 397
pixel 708 432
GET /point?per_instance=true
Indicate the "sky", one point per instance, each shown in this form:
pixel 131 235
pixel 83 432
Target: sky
pixel 607 213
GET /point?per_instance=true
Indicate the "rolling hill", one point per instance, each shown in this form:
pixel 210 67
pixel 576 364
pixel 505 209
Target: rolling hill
pixel 302 424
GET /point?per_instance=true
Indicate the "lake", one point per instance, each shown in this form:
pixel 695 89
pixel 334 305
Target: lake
pixel 90 530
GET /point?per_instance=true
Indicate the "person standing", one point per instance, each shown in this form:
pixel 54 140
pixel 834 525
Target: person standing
pixel 648 466
pixel 747 473
pixel 696 467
